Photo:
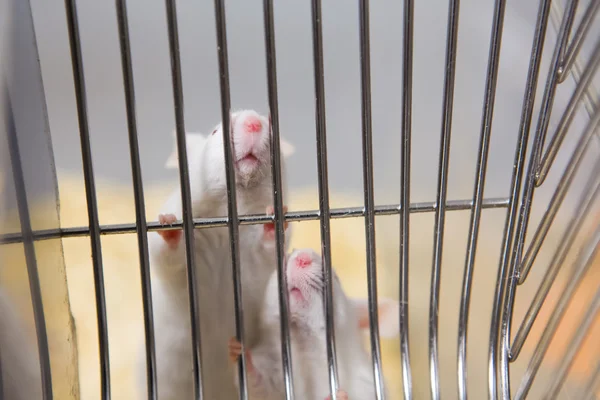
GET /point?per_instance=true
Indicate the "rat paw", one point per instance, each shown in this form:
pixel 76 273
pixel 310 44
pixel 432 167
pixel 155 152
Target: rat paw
pixel 340 394
pixel 172 237
pixel 269 228
pixel 235 349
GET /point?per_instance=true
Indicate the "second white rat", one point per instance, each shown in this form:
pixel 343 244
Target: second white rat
pixel 252 163
pixel 307 336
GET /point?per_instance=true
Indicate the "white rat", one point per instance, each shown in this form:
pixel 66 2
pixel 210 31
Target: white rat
pixel 307 335
pixel 20 367
pixel 252 163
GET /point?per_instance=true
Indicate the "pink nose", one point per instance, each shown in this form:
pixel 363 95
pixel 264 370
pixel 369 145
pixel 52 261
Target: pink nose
pixel 303 260
pixel 252 125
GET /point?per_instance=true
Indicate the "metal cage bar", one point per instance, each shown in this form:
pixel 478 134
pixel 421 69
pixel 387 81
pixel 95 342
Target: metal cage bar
pixel 324 208
pixel 90 193
pixel 367 162
pixel 186 201
pixel 405 166
pixel 286 347
pixel 138 191
pixel 440 211
pixel 232 220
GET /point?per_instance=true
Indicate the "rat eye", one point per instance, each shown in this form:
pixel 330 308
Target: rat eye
pixel 213 132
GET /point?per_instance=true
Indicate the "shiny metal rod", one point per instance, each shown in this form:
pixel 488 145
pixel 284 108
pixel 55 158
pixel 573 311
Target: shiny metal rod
pixel 30 256
pixel 405 149
pixel 484 143
pixel 138 191
pixel 253 219
pixel 567 117
pixel 232 220
pixel 589 197
pixel 324 209
pixel 581 334
pixel 578 39
pixel 90 194
pixel 582 265
pixel 186 198
pixel 515 186
pixel 505 292
pixel 286 349
pixel 440 212
pixel 367 162
pixel 558 196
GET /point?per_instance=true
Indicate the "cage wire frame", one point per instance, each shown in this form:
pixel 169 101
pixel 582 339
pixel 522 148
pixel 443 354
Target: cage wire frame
pixel 515 260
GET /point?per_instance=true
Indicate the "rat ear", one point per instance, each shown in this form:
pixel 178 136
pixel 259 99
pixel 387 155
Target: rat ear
pixel 287 149
pixel 389 315
pixel 190 139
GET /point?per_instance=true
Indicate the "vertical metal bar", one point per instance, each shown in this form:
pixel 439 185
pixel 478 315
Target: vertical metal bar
pixel 592 192
pixel 558 197
pixel 486 131
pixel 582 265
pixel 324 210
pixel 367 160
pixel 232 220
pixel 505 287
pixel 581 334
pixel 577 41
pixel 184 182
pixel 278 197
pixel 568 115
pixel 90 193
pixel 138 191
pixel 405 149
pixel 590 388
pixel 29 250
pixel 440 210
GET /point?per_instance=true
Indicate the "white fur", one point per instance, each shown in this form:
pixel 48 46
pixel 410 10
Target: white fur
pixel 18 355
pixel 213 266
pixel 307 334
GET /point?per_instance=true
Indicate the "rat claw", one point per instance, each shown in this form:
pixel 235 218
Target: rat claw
pixel 235 349
pixel 269 228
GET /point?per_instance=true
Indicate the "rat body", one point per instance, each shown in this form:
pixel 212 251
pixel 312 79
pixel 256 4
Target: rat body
pixel 214 273
pixel 307 337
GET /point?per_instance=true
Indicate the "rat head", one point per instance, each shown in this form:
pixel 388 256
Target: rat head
pixel 250 142
pixel 306 288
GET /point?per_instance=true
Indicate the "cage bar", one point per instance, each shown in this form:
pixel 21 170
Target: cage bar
pixel 232 220
pixel 558 197
pixel 405 150
pixel 367 163
pixel 90 194
pixel 286 349
pixel 442 191
pixel 581 334
pixel 138 191
pixel 589 198
pixel 582 265
pixel 578 38
pixel 323 177
pixel 184 182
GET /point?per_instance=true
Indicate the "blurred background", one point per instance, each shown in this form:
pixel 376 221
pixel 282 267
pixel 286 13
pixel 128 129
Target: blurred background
pixel 245 24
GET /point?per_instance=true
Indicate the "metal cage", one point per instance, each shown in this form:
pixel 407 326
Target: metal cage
pixel 574 23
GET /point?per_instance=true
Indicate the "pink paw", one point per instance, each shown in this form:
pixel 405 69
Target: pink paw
pixel 172 237
pixel 341 395
pixel 269 228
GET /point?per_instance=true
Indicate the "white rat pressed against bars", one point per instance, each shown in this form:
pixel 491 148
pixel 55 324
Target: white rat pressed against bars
pixel 515 358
